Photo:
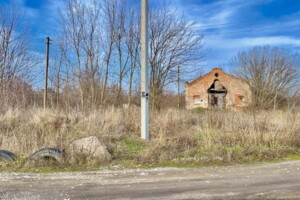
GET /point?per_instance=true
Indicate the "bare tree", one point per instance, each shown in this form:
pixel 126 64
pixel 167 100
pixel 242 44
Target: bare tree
pixel 120 46
pixel 16 59
pixel 133 48
pixel 173 42
pixel 91 47
pixel 108 42
pixel 58 68
pixel 270 72
pixel 105 42
pixel 80 25
pixel 122 54
pixel 72 33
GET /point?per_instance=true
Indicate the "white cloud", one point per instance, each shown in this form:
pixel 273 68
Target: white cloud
pixel 241 43
pixel 276 41
pixel 221 50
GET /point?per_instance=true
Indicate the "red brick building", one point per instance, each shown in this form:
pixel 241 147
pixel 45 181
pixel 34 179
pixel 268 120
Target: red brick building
pixel 217 89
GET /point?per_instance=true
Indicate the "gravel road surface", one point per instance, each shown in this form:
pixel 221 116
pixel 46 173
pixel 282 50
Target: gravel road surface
pixel 264 181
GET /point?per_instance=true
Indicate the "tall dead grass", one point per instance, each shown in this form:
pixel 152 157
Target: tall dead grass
pixel 175 135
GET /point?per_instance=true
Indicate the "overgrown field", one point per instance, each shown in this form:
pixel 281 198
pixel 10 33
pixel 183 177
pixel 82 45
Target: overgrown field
pixel 177 137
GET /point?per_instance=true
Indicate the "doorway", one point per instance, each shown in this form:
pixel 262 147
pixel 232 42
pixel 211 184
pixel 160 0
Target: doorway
pixel 217 95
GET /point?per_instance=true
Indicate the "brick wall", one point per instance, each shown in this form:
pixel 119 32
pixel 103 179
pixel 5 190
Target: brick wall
pixel 196 93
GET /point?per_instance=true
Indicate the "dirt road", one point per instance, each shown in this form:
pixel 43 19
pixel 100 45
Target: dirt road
pixel 268 181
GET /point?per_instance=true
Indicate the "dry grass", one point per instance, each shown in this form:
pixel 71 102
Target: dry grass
pixel 175 135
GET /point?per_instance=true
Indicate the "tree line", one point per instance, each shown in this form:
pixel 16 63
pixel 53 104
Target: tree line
pixel 96 61
pixel 97 57
pixel 99 52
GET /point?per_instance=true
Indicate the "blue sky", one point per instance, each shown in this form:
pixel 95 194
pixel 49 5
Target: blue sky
pixel 229 25
pixel 234 25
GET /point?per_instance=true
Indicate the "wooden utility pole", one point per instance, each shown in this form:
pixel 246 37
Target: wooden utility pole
pixel 178 86
pixel 46 72
pixel 144 73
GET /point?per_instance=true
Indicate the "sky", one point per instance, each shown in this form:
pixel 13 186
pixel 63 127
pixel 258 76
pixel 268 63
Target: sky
pixel 229 26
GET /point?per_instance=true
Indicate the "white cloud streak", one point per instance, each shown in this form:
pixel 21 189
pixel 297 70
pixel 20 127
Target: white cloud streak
pixel 246 42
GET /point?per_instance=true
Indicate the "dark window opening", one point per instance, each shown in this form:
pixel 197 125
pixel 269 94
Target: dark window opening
pixel 217 86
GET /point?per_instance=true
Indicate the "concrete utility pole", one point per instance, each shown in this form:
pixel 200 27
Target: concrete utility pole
pixel 144 73
pixel 178 86
pixel 46 72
